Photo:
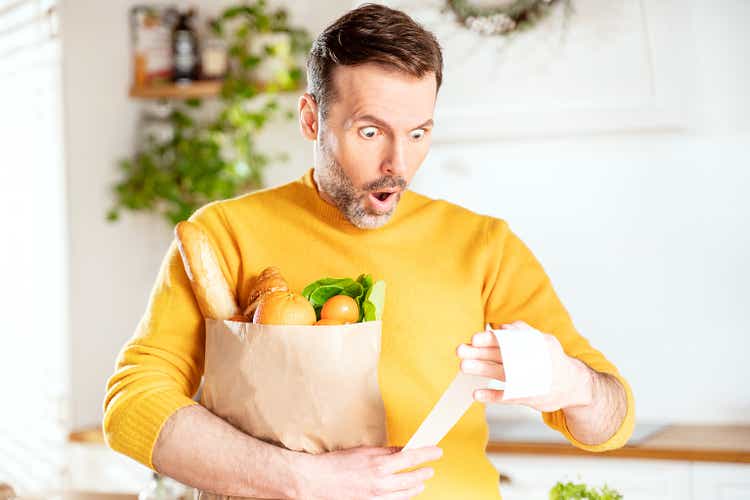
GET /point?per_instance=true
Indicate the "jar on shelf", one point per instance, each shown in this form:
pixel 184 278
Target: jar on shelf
pixel 214 58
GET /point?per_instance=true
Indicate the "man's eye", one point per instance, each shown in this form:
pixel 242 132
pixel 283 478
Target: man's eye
pixel 368 132
pixel 417 134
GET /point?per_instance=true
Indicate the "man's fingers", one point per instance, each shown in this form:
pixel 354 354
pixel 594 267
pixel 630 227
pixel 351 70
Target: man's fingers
pixel 406 480
pixel 489 395
pixel 405 459
pixel 466 351
pixel 484 368
pixel 484 339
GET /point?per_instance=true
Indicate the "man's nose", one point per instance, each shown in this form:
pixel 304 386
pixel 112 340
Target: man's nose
pixel 394 163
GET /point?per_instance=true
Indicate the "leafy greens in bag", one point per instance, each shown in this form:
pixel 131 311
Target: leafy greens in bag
pixel 370 296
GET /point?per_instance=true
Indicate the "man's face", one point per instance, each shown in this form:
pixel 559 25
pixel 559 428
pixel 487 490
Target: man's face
pixel 376 134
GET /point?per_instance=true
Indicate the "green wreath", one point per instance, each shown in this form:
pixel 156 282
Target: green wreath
pixel 500 20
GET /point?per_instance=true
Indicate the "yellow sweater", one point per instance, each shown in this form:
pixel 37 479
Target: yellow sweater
pixel 449 271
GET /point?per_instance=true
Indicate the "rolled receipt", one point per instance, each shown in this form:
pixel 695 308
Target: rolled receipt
pixel 451 406
pixel 527 364
pixel 528 373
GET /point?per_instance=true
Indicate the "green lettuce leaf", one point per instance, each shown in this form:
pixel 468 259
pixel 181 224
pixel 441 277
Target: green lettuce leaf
pixel 373 303
pixel 573 491
pixel 370 296
pixel 365 280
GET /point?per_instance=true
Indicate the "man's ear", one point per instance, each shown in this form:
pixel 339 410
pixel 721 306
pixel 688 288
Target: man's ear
pixel 308 116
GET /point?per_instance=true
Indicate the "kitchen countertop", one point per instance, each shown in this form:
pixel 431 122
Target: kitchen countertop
pixel 701 443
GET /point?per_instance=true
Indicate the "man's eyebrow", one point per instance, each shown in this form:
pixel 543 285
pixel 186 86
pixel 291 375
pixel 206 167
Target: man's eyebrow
pixel 382 123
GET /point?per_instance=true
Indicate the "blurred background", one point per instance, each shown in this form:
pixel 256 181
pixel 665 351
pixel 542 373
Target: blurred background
pixel 613 136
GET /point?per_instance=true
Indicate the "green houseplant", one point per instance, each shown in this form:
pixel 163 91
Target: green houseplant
pixel 204 159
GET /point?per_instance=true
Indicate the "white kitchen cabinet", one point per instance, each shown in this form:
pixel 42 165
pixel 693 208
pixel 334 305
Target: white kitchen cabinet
pixel 531 477
pixel 712 481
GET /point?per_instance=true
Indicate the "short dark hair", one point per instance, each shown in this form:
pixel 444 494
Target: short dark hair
pixel 376 34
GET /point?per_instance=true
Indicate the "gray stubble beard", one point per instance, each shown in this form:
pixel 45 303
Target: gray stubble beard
pixel 332 180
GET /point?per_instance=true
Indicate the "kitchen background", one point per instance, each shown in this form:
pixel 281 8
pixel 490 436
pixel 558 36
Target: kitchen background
pixel 615 139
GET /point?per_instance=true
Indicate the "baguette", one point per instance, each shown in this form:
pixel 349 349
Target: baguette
pixel 214 296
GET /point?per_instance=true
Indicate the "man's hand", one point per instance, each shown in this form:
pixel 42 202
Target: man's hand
pixel 594 403
pixel 571 379
pixel 364 473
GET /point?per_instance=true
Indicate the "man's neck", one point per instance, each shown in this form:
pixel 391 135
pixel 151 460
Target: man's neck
pixel 323 195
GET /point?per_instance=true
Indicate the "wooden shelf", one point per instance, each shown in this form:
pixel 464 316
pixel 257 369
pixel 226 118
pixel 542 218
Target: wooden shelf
pixel 195 90
pixel 91 435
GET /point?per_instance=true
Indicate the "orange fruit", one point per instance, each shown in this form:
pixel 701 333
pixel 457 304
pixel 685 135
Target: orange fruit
pixel 323 322
pixel 342 308
pixel 284 308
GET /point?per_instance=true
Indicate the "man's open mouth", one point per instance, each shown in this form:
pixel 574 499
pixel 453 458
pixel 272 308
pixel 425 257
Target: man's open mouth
pixel 384 194
pixel 383 201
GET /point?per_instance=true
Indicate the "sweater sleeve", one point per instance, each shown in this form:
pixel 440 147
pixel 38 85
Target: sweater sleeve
pixel 159 368
pixel 518 289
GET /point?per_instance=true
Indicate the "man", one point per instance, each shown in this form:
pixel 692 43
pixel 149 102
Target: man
pixel 373 79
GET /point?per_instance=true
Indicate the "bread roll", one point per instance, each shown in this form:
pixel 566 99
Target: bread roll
pixel 6 492
pixel 214 296
pixel 269 280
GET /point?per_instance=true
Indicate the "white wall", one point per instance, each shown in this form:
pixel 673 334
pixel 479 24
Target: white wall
pixel 647 241
pixel 34 358
pixel 645 234
pixel 113 266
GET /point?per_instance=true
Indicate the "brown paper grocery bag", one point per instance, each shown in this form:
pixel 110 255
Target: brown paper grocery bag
pixel 307 388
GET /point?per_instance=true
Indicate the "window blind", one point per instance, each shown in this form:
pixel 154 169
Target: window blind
pixel 33 252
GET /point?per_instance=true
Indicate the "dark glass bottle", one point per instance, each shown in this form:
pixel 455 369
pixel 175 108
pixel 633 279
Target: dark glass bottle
pixel 185 49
